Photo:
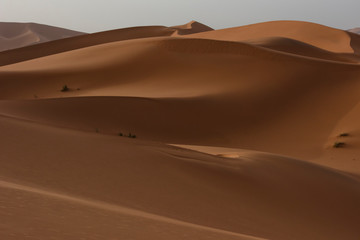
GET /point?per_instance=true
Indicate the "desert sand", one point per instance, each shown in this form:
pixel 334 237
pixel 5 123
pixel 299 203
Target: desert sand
pixel 17 35
pixel 235 133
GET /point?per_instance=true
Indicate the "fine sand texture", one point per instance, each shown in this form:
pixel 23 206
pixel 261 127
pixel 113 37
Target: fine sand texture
pixel 17 35
pixel 183 132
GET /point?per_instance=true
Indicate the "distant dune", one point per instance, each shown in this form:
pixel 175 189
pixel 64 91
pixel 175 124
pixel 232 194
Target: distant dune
pixel 183 132
pixel 190 28
pixel 17 35
pixel 329 39
pixel 355 30
pixel 54 47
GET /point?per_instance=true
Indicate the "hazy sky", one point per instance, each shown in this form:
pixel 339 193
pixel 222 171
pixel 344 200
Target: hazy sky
pixel 99 15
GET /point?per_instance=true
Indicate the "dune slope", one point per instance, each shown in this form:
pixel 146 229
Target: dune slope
pixel 262 195
pixel 64 45
pixel 292 46
pixel 17 35
pixel 163 80
pixel 160 135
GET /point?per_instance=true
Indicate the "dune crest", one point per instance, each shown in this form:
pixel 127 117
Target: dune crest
pixel 320 36
pixel 147 76
pixel 83 41
pixel 190 28
pixel 300 48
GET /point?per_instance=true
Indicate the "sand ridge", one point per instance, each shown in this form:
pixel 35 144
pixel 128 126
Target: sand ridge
pixel 162 88
pixel 64 45
pixel 320 36
pixel 119 209
pixel 234 134
pixel 190 28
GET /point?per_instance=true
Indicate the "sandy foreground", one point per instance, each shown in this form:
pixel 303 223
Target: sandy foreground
pixel 235 134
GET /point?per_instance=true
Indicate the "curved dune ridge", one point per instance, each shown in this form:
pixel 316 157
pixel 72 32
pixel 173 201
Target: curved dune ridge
pixel 148 139
pixel 161 67
pixel 17 35
pixel 170 77
pixel 91 212
pixel 190 28
pixel 299 48
pixel 320 36
pixel 67 45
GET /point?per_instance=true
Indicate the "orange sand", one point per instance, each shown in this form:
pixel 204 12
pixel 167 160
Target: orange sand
pixel 235 131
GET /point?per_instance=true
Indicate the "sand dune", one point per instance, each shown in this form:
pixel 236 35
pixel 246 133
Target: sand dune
pixel 323 37
pixel 190 28
pixel 153 68
pixel 355 30
pixel 83 41
pixel 120 221
pixel 217 113
pixel 299 48
pixel 154 179
pixel 64 45
pixel 17 35
pixel 244 109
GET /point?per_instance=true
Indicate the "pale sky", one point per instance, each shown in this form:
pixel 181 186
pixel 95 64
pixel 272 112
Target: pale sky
pixel 101 15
